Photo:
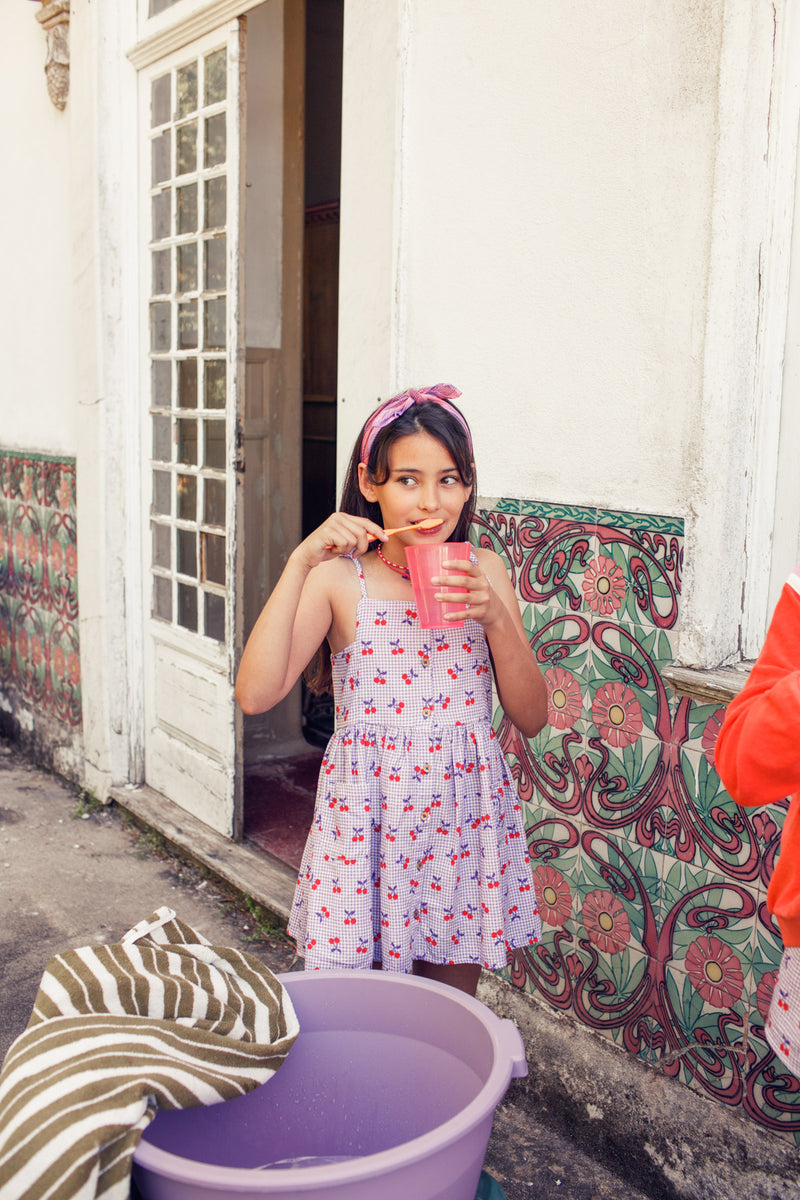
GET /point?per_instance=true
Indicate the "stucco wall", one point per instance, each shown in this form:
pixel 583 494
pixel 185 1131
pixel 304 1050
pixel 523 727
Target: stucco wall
pixel 565 213
pixel 36 413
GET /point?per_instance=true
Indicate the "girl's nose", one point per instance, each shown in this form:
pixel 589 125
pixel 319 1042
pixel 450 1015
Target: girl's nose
pixel 429 497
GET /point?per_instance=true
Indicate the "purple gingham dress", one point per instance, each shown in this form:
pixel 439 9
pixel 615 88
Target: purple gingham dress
pixel 417 847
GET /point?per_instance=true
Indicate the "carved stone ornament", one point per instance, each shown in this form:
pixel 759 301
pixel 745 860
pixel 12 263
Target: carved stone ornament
pixel 54 19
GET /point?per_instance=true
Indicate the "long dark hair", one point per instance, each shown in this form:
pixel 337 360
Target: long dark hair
pixel 424 417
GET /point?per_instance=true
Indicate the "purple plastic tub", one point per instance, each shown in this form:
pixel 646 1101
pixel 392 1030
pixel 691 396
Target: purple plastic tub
pixel 389 1091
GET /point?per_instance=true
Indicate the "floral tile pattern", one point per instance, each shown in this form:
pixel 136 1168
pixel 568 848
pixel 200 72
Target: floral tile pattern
pixel 651 881
pixel 39 647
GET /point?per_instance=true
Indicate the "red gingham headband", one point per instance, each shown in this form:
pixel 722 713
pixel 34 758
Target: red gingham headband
pixel 390 410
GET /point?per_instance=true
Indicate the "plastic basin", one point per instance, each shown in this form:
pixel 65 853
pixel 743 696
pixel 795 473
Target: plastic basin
pixel 389 1092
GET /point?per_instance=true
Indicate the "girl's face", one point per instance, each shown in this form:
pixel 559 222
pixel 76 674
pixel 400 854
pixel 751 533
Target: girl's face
pixel 423 481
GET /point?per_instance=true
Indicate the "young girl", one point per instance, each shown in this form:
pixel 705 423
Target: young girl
pixel 417 858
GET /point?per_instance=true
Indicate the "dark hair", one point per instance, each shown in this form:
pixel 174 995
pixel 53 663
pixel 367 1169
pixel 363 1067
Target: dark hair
pixel 425 417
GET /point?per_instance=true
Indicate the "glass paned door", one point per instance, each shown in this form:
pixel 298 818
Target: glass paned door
pixel 191 163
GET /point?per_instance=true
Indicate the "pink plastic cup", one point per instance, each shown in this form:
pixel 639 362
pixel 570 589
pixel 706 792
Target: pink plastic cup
pixel 425 562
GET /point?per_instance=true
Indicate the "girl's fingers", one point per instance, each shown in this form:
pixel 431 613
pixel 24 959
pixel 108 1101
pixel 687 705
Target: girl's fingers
pixel 341 533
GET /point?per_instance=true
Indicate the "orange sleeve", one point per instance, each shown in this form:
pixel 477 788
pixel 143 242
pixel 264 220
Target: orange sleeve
pixel 758 748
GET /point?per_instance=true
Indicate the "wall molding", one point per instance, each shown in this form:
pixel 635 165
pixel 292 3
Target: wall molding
pixel 53 16
pixel 165 41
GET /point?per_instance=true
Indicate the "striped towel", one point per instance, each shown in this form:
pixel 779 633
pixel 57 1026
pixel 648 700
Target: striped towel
pixel 161 1019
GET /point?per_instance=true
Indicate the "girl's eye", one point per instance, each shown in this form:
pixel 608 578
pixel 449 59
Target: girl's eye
pixel 451 479
pixel 407 480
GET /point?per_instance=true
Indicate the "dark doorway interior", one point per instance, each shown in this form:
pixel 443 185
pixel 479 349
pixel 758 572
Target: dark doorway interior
pixel 279 792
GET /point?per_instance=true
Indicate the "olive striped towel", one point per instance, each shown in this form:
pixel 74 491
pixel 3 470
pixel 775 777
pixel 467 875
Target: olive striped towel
pixel 162 1018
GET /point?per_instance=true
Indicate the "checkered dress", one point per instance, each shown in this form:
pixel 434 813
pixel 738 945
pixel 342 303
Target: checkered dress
pixel 417 847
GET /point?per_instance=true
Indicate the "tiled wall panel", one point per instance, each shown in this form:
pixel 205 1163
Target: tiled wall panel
pixel 651 881
pixel 39 648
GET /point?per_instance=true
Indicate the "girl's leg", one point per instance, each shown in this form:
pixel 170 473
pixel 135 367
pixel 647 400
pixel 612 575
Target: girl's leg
pixel 463 976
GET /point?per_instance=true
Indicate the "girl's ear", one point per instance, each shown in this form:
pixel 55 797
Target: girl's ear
pixel 365 486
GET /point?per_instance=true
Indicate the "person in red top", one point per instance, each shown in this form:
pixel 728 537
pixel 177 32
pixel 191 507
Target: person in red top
pixel 758 759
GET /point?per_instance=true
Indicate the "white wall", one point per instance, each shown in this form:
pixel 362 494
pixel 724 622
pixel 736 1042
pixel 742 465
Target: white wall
pixel 36 409
pixel 578 207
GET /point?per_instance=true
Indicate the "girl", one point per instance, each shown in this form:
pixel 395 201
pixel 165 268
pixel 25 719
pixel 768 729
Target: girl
pixel 416 859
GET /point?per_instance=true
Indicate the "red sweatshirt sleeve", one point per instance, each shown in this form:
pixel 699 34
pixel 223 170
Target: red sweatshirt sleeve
pixel 758 748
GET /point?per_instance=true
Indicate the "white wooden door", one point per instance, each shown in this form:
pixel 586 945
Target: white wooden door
pixel 191 171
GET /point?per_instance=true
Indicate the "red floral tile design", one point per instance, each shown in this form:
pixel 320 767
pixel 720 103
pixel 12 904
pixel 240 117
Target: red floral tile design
pixel 39 645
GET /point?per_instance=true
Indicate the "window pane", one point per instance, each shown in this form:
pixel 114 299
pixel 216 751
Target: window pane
pixel 161 382
pixel 162 553
pixel 215 445
pixel 187 267
pixel 215 324
pixel 157 6
pixel 186 137
pixel 187 208
pixel 162 493
pixel 161 215
pixel 214 511
pixel 187 325
pixel 162 439
pixel 162 273
pixel 162 598
pixel 187 552
pixel 160 93
pixel 161 159
pixel 187 89
pixel 187 383
pixel 215 383
pixel 213 558
pixel 187 606
pixel 188 335
pixel 215 617
pixel 216 202
pixel 160 327
pixel 216 82
pixel 187 497
pixel 215 140
pixel 187 442
pixel 216 253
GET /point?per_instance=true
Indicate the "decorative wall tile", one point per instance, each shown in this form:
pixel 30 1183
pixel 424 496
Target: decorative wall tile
pixel 39 646
pixel 651 881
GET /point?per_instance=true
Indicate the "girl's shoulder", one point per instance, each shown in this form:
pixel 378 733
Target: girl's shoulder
pixel 490 562
pixel 337 573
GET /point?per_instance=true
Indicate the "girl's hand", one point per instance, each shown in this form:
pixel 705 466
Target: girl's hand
pixel 466 581
pixel 490 599
pixel 340 534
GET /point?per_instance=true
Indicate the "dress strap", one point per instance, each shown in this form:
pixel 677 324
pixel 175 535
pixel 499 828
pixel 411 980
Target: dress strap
pixel 357 564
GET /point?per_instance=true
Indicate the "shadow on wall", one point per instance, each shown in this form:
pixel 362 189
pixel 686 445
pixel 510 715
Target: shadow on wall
pixel 651 881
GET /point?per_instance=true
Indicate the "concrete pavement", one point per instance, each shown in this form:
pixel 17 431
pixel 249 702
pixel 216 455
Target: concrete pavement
pixel 73 875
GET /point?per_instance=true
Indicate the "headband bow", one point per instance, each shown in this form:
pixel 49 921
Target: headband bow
pixel 394 408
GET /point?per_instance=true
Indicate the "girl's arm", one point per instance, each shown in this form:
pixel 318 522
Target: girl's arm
pixel 298 615
pixel 492 601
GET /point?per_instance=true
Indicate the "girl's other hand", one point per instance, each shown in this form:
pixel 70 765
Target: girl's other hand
pixel 340 534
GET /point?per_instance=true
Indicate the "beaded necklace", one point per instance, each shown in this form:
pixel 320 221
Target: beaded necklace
pixel 401 571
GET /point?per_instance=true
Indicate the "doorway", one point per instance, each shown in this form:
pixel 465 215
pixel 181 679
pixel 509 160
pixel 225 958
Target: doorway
pixel 281 773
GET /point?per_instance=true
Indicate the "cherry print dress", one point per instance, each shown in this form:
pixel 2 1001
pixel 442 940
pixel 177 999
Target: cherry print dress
pixel 417 848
